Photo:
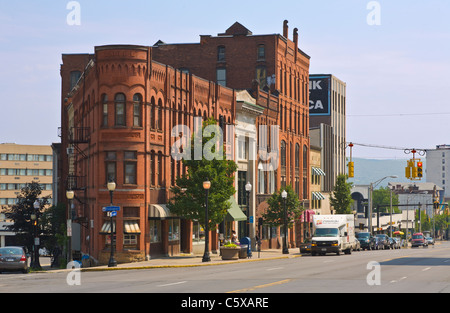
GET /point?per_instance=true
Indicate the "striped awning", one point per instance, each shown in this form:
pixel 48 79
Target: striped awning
pixel 106 228
pixel 131 227
pixel 317 196
pixel 317 171
pixel 158 211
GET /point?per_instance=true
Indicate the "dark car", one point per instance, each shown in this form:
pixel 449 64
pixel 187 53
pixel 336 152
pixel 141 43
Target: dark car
pixel 13 259
pixel 305 247
pixel 376 243
pixel 384 241
pixel 392 243
pixel 365 240
pixel 418 240
pixel 397 243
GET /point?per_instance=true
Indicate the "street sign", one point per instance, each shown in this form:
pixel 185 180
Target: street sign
pixel 112 213
pixel 110 208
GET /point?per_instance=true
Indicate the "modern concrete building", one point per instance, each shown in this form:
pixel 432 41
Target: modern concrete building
pixel 327 106
pixel 438 167
pixel 19 165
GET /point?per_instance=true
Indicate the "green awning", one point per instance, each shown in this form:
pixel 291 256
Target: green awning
pixel 234 212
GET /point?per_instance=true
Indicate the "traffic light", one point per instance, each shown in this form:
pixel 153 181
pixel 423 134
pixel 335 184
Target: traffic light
pixel 408 169
pixel 351 169
pixel 413 170
pixel 419 170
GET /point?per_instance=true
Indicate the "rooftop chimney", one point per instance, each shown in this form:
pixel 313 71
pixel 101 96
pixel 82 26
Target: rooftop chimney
pixel 295 42
pixel 285 29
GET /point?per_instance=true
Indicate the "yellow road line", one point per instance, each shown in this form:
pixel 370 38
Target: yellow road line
pixel 261 286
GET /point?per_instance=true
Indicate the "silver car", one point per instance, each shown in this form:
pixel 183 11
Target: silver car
pixel 13 259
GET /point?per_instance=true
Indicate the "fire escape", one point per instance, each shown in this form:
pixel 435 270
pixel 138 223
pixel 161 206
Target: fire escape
pixel 79 138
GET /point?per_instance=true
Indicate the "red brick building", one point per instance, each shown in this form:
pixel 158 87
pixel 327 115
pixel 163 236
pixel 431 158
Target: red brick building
pixel 117 123
pixel 120 104
pixel 276 72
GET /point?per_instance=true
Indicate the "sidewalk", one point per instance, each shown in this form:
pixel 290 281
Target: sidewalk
pixel 188 261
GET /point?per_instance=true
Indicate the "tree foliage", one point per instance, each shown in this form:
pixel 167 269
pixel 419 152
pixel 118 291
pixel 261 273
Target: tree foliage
pixel 189 195
pixel 341 198
pixel 22 211
pixel 274 216
pixel 382 197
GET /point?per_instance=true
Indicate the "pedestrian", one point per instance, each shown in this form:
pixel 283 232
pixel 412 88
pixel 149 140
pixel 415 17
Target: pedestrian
pixel 233 237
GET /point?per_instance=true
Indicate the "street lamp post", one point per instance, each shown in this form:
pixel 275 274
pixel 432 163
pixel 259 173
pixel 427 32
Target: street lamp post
pixel 34 217
pixel 112 261
pixel 248 189
pixel 372 185
pixel 285 248
pixel 206 257
pixel 69 195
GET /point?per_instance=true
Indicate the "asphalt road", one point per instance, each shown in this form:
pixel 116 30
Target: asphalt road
pixel 418 270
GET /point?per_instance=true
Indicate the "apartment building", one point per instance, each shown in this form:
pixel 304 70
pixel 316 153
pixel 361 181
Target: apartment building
pixel 19 165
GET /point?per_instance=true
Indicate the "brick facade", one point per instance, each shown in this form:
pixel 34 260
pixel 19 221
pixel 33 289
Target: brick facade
pixel 119 121
pixel 119 115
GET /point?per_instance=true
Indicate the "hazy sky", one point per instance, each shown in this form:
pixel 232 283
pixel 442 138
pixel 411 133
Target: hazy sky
pixel 397 72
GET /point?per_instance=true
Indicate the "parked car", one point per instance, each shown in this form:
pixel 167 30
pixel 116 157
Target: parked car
pixel 418 240
pixel 305 247
pixel 398 243
pixel 430 240
pixel 376 243
pixel 357 246
pixel 365 240
pixel 384 241
pixel 13 259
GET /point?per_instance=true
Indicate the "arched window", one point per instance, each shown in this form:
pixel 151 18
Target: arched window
pixel 137 110
pixel 152 168
pixel 120 101
pixel 105 110
pixel 153 113
pixel 283 153
pixel 160 115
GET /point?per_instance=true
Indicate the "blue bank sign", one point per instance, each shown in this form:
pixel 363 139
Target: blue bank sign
pixel 319 94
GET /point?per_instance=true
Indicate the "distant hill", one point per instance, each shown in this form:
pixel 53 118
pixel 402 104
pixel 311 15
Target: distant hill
pixel 371 170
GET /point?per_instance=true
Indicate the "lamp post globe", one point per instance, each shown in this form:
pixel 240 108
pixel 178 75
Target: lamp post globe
pixel 285 247
pixel 206 256
pixel 112 261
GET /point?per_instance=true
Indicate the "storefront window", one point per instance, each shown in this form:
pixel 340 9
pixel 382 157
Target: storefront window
pixel 198 233
pixel 174 230
pixel 155 231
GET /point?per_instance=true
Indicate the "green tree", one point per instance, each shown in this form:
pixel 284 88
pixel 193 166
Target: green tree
pixel 382 198
pixel 274 216
pixel 341 198
pixel 189 196
pixel 21 214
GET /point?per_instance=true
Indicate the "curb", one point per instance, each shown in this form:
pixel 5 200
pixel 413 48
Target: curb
pixel 99 269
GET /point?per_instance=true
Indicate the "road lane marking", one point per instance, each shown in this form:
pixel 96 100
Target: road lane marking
pixel 426 269
pixel 171 284
pixel 261 286
pixel 274 268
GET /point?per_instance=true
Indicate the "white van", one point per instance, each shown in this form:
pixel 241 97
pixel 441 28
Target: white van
pixel 333 234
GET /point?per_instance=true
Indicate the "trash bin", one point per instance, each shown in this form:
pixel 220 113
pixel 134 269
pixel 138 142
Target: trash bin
pixel 243 252
pixel 246 241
